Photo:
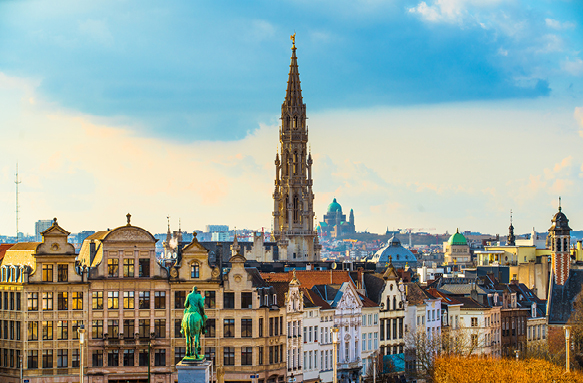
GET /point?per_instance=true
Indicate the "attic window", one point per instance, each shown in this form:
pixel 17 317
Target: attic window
pixel 194 270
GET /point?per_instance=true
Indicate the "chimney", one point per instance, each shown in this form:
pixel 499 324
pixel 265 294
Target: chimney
pixel 360 278
pixel 92 252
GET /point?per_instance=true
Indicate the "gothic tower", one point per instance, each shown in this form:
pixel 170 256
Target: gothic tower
pixel 293 211
pixel 560 236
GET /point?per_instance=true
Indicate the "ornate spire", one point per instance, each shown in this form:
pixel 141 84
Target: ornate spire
pixel 235 246
pixel 168 234
pixel 293 95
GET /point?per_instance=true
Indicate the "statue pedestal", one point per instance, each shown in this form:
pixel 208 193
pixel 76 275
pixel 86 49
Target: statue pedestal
pixel 194 372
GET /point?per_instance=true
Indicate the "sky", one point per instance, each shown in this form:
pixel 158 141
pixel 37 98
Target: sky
pixel 431 115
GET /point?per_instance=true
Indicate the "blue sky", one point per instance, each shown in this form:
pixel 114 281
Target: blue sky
pixel 193 73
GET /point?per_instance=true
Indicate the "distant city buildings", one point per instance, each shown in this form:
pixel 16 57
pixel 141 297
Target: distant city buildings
pixel 335 224
pixel 40 226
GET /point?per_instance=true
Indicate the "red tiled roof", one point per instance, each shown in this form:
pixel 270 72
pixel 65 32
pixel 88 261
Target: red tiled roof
pixel 444 297
pixel 3 248
pixel 367 302
pixel 311 278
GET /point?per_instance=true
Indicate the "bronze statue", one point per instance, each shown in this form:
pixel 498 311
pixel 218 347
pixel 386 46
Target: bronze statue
pixel 193 324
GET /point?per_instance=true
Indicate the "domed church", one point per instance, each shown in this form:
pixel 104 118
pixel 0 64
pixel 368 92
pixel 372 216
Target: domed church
pixel 393 252
pixel 334 223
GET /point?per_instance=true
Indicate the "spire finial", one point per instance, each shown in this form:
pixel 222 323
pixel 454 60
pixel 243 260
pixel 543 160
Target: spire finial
pixel 129 218
pixel 293 39
pixel 168 218
pixel 560 203
pixel 510 216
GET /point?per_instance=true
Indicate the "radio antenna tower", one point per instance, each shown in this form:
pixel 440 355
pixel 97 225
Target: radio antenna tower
pixel 17 182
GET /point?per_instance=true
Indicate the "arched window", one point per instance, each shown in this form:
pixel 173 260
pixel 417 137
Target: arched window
pixel 558 244
pixel 287 120
pixel 388 303
pixel 194 270
pixel 394 303
pixel 295 122
pixel 295 162
pixel 565 244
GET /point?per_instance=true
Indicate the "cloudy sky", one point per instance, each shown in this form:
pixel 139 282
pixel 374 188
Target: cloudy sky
pixel 422 114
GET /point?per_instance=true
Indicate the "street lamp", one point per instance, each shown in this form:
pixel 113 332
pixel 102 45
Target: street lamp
pixel 335 331
pixel 21 367
pixel 567 346
pixel 516 352
pixel 81 331
pixel 212 367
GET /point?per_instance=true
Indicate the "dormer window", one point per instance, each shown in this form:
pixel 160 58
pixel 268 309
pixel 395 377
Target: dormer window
pixel 194 270
pixel 112 268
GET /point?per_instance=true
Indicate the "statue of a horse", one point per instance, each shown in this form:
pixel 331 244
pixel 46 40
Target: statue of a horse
pixel 193 324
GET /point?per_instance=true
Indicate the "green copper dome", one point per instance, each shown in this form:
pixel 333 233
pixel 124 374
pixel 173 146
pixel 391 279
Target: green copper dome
pixel 334 207
pixel 457 239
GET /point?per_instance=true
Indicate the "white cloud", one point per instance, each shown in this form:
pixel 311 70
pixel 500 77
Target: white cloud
pixel 556 24
pixel 573 67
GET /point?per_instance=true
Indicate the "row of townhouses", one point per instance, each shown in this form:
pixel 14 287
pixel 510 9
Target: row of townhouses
pixel 272 326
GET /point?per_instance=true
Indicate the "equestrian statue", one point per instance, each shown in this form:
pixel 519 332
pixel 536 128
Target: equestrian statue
pixel 193 325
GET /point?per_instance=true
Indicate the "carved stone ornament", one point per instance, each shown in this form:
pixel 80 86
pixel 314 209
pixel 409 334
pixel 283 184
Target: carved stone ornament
pixel 237 278
pixel 215 273
pixel 55 247
pixel 347 337
pixel 173 272
pixel 129 234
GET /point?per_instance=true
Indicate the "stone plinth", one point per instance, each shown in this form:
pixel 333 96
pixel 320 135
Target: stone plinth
pixel 194 372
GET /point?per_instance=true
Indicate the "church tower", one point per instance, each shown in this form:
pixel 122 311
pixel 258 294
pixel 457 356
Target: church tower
pixel 293 199
pixel 511 239
pixel 560 236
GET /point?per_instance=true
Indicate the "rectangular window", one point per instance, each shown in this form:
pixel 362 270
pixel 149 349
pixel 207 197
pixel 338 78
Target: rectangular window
pixel 62 330
pixel 18 300
pixel 113 300
pixel 32 301
pixel 229 328
pixel 62 273
pixel 228 300
pixel 246 356
pixel 261 327
pixel 47 358
pixel 97 358
pixel 143 358
pixel 128 358
pixel 62 358
pixel 97 300
pixel 32 359
pixel 210 328
pixel 474 322
pixel 47 273
pixel 144 267
pixel 160 357
pixel 209 353
pixel 47 301
pixel 315 333
pixel 113 328
pixel 18 330
pixel 97 329
pixel 159 299
pixel 260 359
pixel 128 299
pixel 47 330
pixel 179 354
pixel 75 358
pixel 229 356
pixel 33 330
pixel 160 328
pixel 113 358
pixel 128 269
pixel 179 298
pixel 77 297
pixel 112 268
pixel 62 301
pixel 246 328
pixel 128 328
pixel 144 300
pixel 194 270
pixel 75 328
pixel 246 300
pixel 210 299
pixel 178 328
pixel 144 328
pixel 276 326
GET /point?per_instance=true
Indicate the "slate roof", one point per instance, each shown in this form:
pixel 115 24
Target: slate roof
pixel 415 294
pixel 313 299
pixel 562 297
pixel 374 286
pixel 281 288
pixel 445 299
pixel 462 289
pixel 469 303
pixel 256 279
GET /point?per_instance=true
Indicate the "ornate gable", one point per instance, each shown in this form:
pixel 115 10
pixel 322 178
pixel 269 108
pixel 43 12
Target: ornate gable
pixel 350 299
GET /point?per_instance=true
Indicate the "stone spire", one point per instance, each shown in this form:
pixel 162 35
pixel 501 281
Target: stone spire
pixel 559 240
pixel 293 213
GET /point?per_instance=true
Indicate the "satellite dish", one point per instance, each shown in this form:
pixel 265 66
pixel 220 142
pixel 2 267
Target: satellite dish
pixel 334 265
